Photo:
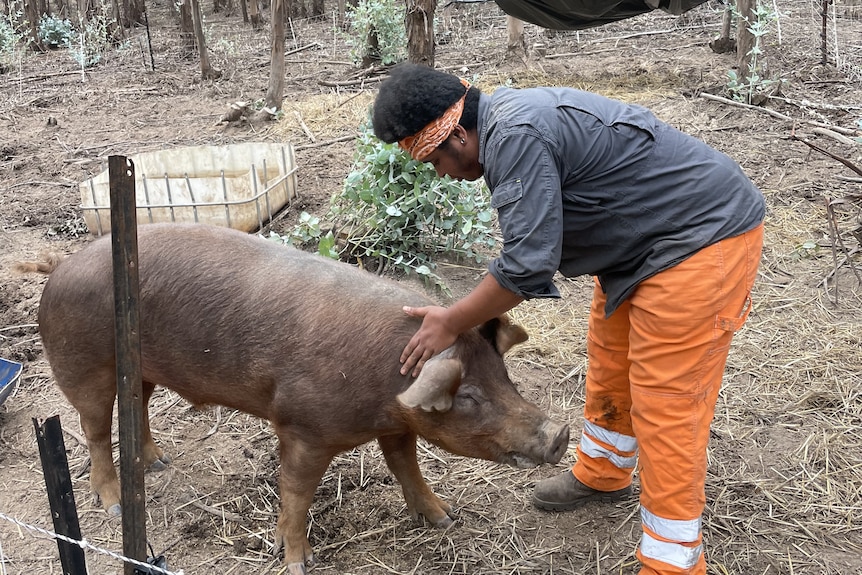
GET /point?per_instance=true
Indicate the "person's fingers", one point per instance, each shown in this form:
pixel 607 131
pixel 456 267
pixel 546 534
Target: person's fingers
pixel 415 311
pixel 408 351
pixel 421 363
pixel 415 360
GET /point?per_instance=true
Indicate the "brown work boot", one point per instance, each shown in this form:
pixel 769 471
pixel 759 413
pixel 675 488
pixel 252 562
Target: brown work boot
pixel 564 492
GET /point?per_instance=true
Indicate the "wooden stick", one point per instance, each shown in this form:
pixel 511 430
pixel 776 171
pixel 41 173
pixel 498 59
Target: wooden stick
pixel 218 512
pixel 817 148
pixel 326 143
pixel 304 127
pixel 301 48
pixel 834 135
pixel 772 113
pixel 360 82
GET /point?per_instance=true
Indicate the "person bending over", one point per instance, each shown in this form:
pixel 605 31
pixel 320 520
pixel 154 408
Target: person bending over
pixel 671 231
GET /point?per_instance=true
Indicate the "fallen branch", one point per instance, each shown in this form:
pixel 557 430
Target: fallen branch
pixel 817 148
pixel 40 77
pixel 834 135
pixel 345 83
pixel 218 512
pixel 772 113
pixel 836 130
pixel 301 48
pixel 326 143
pixel 806 105
pixel 40 183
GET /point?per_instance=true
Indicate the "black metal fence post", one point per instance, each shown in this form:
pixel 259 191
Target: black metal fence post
pixel 58 482
pixel 124 240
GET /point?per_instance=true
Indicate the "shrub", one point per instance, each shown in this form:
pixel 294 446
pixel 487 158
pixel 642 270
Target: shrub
pixel 397 211
pixel 755 88
pixel 55 32
pixel 91 42
pixel 377 31
pixel 10 41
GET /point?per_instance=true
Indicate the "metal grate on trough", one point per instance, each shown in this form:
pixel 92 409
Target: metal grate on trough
pixel 241 186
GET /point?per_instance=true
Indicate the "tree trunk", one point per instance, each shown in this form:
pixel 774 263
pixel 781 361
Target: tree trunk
pixel 133 13
pixel 744 38
pixel 244 9
pixel 275 90
pixel 86 10
pixel 187 27
pixel 420 31
pixel 115 27
pixel 824 17
pixel 317 8
pixel 724 43
pixel 372 49
pixel 61 9
pixel 32 12
pixel 207 71
pixel 254 14
pixel 516 45
pixel 341 14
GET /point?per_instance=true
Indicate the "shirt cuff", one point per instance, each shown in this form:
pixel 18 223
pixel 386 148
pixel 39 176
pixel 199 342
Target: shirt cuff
pixel 547 290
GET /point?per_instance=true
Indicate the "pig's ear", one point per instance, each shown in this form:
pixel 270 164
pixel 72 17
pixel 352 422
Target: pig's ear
pixel 503 334
pixel 436 385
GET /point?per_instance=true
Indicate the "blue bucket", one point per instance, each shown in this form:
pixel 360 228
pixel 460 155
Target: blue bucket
pixel 10 373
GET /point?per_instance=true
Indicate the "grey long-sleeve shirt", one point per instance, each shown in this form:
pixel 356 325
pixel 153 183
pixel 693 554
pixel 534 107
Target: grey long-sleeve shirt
pixel 588 185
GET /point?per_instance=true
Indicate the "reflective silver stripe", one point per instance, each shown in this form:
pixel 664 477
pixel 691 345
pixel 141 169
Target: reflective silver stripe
pixel 687 530
pixel 593 449
pixel 670 553
pixel 618 440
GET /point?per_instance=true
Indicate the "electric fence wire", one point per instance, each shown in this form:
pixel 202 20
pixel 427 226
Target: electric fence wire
pixel 83 544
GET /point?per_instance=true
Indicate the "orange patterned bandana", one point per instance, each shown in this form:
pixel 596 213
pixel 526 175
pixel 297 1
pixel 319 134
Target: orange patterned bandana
pixel 431 136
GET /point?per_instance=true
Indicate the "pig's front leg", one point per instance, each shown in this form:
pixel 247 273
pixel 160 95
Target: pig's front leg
pixel 400 454
pixel 302 466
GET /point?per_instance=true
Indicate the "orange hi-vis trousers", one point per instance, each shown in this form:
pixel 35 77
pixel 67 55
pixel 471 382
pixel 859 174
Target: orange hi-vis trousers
pixel 654 373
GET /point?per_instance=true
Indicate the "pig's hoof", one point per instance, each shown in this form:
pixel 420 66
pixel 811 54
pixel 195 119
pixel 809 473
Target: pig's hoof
pixel 160 464
pixel 296 569
pixel 115 510
pixel 445 522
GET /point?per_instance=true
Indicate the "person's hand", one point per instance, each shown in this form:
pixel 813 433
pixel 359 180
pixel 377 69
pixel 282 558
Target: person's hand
pixel 433 336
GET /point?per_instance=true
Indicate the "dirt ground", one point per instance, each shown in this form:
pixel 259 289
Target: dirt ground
pixel 785 472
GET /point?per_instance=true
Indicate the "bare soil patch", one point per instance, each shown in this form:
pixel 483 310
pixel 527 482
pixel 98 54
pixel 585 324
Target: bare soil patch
pixel 785 466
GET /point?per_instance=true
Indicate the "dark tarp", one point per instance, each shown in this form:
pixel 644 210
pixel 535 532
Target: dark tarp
pixel 581 14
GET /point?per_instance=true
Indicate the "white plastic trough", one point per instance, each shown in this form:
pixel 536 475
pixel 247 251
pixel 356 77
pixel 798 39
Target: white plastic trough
pixel 240 186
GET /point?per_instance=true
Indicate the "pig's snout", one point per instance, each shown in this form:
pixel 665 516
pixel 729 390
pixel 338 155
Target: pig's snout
pixel 559 441
pixel 549 446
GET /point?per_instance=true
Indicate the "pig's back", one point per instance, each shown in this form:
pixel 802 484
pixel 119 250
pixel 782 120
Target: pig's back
pixel 232 319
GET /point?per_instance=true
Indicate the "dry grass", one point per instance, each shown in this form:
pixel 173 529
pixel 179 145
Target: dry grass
pixel 324 118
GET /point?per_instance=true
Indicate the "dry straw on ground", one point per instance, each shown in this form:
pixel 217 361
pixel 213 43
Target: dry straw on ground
pixel 784 488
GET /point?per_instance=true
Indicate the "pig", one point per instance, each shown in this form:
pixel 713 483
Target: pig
pixel 308 343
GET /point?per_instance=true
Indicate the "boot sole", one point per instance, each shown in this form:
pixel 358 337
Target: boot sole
pixel 600 497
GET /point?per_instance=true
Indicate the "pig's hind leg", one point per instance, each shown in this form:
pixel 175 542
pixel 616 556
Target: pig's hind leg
pixel 151 453
pixel 92 396
pixel 400 454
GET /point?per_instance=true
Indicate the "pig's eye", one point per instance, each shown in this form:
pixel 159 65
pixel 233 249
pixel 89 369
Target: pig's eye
pixel 468 400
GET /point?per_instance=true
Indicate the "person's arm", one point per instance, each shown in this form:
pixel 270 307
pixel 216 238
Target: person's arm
pixel 441 326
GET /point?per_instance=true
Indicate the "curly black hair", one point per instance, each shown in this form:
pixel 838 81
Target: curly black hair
pixel 413 96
